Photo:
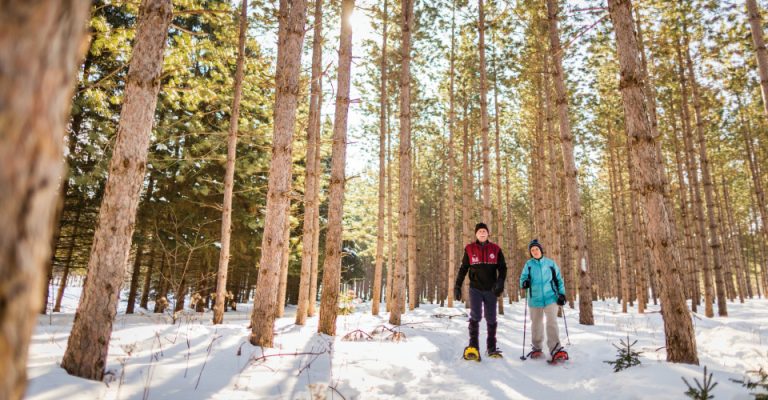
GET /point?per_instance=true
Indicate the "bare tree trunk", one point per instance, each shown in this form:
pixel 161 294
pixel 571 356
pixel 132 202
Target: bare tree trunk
pixel 499 193
pixel 679 334
pixel 486 179
pixel 398 292
pixel 311 181
pixel 756 27
pixel 112 238
pixel 68 262
pixel 412 270
pixel 292 17
pixel 143 303
pixel 754 169
pixel 333 240
pixel 382 167
pixel 139 252
pixel 619 213
pixel 714 237
pixel 693 178
pixel 735 241
pixel 229 174
pixel 569 164
pixel 466 187
pixel 316 218
pixel 283 283
pixel 452 166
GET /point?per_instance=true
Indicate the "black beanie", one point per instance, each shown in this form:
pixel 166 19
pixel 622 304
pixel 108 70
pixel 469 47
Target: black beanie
pixel 481 225
pixel 535 242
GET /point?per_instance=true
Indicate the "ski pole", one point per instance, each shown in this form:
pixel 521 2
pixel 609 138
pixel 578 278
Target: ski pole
pixel 566 325
pixel 525 320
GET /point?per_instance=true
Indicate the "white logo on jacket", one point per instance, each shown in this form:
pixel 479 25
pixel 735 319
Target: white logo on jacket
pixel 492 256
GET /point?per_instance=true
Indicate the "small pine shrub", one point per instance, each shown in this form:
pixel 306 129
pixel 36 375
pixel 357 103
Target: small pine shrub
pixel 701 391
pixel 627 357
pixel 760 384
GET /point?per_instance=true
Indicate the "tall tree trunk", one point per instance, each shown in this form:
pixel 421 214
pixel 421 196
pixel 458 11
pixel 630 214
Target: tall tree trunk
pixel 569 164
pixel 40 47
pixel 466 187
pixel 282 288
pixel 68 262
pixel 292 17
pixel 114 231
pixel 135 274
pixel 143 303
pixel 499 194
pixel 619 213
pixel 229 174
pixel 486 180
pixel 689 252
pixel 735 241
pixel 693 178
pixel 452 166
pixel 412 269
pixel 679 334
pixel 316 218
pixel 390 224
pixel 382 167
pixel 310 191
pixel 333 240
pixel 756 27
pixel 754 169
pixel 714 237
pixel 398 292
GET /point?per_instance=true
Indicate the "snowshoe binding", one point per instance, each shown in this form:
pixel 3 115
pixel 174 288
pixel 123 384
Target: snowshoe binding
pixel 471 354
pixel 495 353
pixel 559 356
pixel 535 354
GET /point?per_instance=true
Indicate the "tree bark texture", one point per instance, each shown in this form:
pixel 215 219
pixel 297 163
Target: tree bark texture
pixel 678 327
pixel 88 344
pixel 40 47
pixel 312 176
pixel 292 17
pixel 229 174
pixel 580 253
pixel 332 265
pixel 756 27
pixel 398 280
pixel 486 180
pixel 376 301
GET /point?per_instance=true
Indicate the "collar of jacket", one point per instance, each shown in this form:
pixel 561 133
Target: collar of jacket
pixel 482 243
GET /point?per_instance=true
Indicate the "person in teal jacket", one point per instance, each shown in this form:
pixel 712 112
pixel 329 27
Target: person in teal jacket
pixel 546 291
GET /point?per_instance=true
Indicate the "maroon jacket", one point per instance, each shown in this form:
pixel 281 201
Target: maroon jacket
pixel 485 264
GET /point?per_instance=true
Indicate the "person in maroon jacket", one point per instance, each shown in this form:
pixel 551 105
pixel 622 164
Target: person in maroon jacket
pixel 487 270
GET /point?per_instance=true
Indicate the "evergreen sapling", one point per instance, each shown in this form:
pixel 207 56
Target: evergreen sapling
pixel 701 392
pixel 626 357
pixel 761 383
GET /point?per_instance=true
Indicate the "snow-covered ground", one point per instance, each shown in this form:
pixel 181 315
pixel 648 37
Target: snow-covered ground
pixel 151 358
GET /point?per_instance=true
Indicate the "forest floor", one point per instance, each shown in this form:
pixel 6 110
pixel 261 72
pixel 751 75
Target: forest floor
pixel 152 358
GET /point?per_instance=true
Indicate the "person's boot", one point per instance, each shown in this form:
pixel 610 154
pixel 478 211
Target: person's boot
pixel 471 352
pixel 491 348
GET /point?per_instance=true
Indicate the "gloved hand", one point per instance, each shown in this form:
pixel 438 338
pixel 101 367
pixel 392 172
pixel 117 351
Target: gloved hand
pixel 457 293
pixel 527 283
pixel 560 299
pixel 498 289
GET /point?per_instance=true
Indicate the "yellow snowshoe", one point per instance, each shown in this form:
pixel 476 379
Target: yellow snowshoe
pixel 471 353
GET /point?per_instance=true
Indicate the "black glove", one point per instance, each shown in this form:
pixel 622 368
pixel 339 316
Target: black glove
pixel 560 299
pixel 498 288
pixel 457 293
pixel 527 283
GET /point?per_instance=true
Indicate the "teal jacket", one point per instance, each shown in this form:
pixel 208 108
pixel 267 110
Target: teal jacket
pixel 543 291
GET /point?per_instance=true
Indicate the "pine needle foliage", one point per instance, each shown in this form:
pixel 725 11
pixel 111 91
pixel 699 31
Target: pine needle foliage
pixel 702 391
pixel 627 356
